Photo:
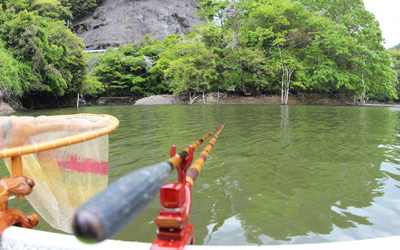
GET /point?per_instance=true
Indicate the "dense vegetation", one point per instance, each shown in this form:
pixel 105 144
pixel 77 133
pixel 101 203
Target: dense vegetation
pixel 251 46
pixel 395 54
pixel 397 46
pixel 38 54
pixel 56 9
pixel 260 45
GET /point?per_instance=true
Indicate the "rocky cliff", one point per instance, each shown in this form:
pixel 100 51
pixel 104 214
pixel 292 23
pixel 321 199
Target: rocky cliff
pixel 123 21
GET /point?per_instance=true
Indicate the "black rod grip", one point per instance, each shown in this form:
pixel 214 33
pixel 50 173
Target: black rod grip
pixel 114 208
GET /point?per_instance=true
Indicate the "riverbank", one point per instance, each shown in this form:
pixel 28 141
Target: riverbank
pixel 212 98
pixel 263 99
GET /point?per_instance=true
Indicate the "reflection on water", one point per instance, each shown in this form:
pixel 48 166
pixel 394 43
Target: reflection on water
pixel 277 174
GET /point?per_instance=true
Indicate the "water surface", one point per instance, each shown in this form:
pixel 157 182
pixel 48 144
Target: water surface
pixel 277 174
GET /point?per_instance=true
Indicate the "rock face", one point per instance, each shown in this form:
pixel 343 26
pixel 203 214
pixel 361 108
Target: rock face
pixel 5 108
pixel 163 100
pixel 123 21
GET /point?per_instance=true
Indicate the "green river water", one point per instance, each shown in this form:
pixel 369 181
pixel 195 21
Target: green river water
pixel 276 175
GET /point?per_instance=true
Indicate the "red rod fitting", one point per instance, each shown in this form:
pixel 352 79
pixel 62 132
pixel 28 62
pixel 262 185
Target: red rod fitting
pixel 173 151
pixel 184 166
pixel 175 239
pixel 174 230
pixel 172 195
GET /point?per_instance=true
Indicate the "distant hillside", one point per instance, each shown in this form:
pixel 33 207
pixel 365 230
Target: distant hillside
pixel 397 46
pixel 123 21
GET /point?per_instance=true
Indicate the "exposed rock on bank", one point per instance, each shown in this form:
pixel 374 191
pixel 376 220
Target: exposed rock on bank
pixel 163 100
pixel 233 98
pixel 5 109
pixel 123 21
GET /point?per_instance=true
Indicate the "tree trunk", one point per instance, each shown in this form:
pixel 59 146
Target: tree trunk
pixel 364 93
pixel 218 97
pixel 194 99
pixel 282 92
pixel 283 78
pixel 241 74
pixel 288 76
pixel 77 100
pixel 204 100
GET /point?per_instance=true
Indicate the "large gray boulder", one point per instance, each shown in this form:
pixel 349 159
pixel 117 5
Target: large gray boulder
pixel 123 21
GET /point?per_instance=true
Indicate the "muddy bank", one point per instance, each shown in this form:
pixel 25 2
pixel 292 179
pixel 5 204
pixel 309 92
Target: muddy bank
pixel 234 98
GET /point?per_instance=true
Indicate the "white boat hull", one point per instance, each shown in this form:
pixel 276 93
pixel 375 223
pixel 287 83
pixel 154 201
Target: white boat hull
pixel 20 238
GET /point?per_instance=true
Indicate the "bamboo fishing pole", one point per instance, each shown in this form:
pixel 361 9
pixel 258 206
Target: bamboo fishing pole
pixel 196 167
pixel 111 210
pixel 174 230
pixel 179 158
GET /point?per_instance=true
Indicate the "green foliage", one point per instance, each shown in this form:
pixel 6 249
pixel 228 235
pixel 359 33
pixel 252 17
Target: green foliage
pixel 346 47
pixel 46 8
pixel 90 55
pixel 395 55
pixel 56 9
pixel 191 67
pixel 131 69
pixel 212 10
pixel 67 56
pixel 27 39
pixel 269 25
pixel 330 46
pixel 338 51
pixel 92 86
pixel 82 8
pixel 49 56
pixel 9 68
pixel 3 4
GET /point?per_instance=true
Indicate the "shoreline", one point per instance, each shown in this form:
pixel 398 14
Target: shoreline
pixel 214 98
pixel 224 98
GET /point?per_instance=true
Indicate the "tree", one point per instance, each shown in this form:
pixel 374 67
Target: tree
pixel 67 56
pixel 192 67
pixel 3 4
pixel 130 69
pixel 276 27
pixel 50 56
pixel 82 8
pixel 241 66
pixel 28 40
pixel 212 11
pixel 395 55
pixel 45 8
pixel 346 52
pixel 286 71
pixel 10 82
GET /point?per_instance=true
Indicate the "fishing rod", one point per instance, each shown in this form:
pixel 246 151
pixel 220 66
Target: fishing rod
pixel 196 167
pixel 174 230
pixel 112 209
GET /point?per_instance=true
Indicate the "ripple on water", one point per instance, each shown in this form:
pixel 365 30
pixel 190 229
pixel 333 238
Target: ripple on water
pixel 277 174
